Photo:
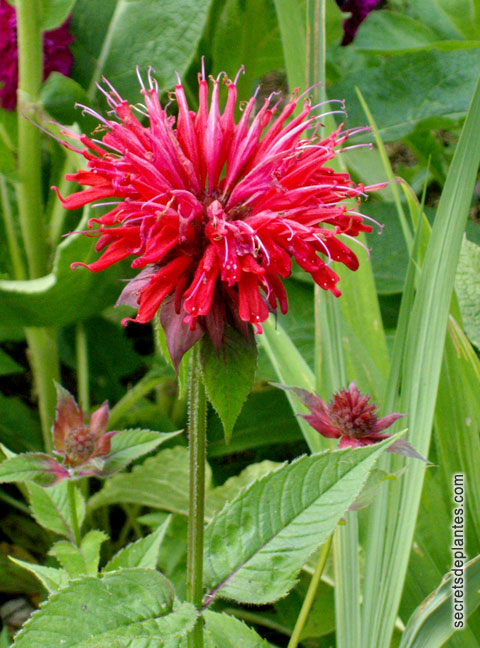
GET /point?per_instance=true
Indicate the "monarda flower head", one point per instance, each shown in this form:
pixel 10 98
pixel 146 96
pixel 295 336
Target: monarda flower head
pixel 352 418
pixel 56 54
pixel 212 211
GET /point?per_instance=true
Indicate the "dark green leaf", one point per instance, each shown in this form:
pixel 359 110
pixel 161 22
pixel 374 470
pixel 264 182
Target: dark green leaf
pixel 165 37
pixel 403 91
pixel 8 364
pixel 229 374
pixel 59 95
pixel 228 632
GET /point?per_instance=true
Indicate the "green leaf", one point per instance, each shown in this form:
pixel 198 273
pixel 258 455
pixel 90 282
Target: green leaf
pixel 8 365
pixel 83 560
pixel 467 286
pixel 257 42
pixel 388 554
pixel 228 632
pixel 229 374
pixel 4 638
pixel 64 295
pixel 142 553
pixel 59 94
pixel 255 547
pixel 35 467
pixel 405 90
pixel 104 41
pixel 55 12
pixel 51 507
pixel 161 482
pixel 432 623
pixel 128 445
pixel 391 31
pixel 131 608
pixel 51 578
pixel 219 496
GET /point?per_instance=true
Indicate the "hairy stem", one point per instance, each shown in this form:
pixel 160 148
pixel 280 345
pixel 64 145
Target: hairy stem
pixel 73 512
pixel 197 443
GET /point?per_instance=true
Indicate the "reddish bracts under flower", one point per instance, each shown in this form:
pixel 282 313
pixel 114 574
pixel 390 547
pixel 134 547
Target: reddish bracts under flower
pixel 213 211
pixel 75 440
pixel 56 54
pixel 352 418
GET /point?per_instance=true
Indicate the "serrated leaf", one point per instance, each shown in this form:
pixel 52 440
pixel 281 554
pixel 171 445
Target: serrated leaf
pixel 142 553
pixel 131 608
pixel 467 286
pixel 128 445
pixel 83 560
pixel 160 482
pixel 51 507
pixel 32 467
pixel 51 578
pixel 255 547
pixel 228 632
pixel 229 374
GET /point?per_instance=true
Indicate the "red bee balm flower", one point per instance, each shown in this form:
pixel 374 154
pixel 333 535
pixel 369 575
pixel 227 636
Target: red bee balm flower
pixel 352 419
pixel 212 210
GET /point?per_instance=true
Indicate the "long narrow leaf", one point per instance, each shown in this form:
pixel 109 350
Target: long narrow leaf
pixel 423 356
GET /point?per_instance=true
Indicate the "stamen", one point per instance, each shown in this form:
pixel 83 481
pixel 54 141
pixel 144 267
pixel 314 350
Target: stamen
pixel 352 238
pixel 240 71
pixel 89 111
pixel 369 218
pixel 139 77
pixel 327 251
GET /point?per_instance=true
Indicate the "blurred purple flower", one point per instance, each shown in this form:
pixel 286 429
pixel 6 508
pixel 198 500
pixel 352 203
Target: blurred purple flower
pixel 359 10
pixel 56 55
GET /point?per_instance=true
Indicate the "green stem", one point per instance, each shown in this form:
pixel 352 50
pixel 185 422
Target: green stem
pixel 19 269
pixel 14 502
pixel 73 512
pixel 310 596
pixel 29 187
pixel 43 356
pixel 81 350
pixel 42 347
pixel 197 443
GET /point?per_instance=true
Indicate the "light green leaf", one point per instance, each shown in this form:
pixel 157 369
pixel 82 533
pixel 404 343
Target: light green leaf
pixel 160 482
pixel 51 507
pixel 55 12
pixel 128 445
pixel 229 374
pixel 142 553
pixel 228 632
pixel 104 41
pixel 467 286
pixel 32 467
pixel 83 560
pixel 57 298
pixel 131 608
pixel 218 497
pixel 255 547
pixel 391 31
pixel 51 578
pixel 432 623
pixel 5 638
